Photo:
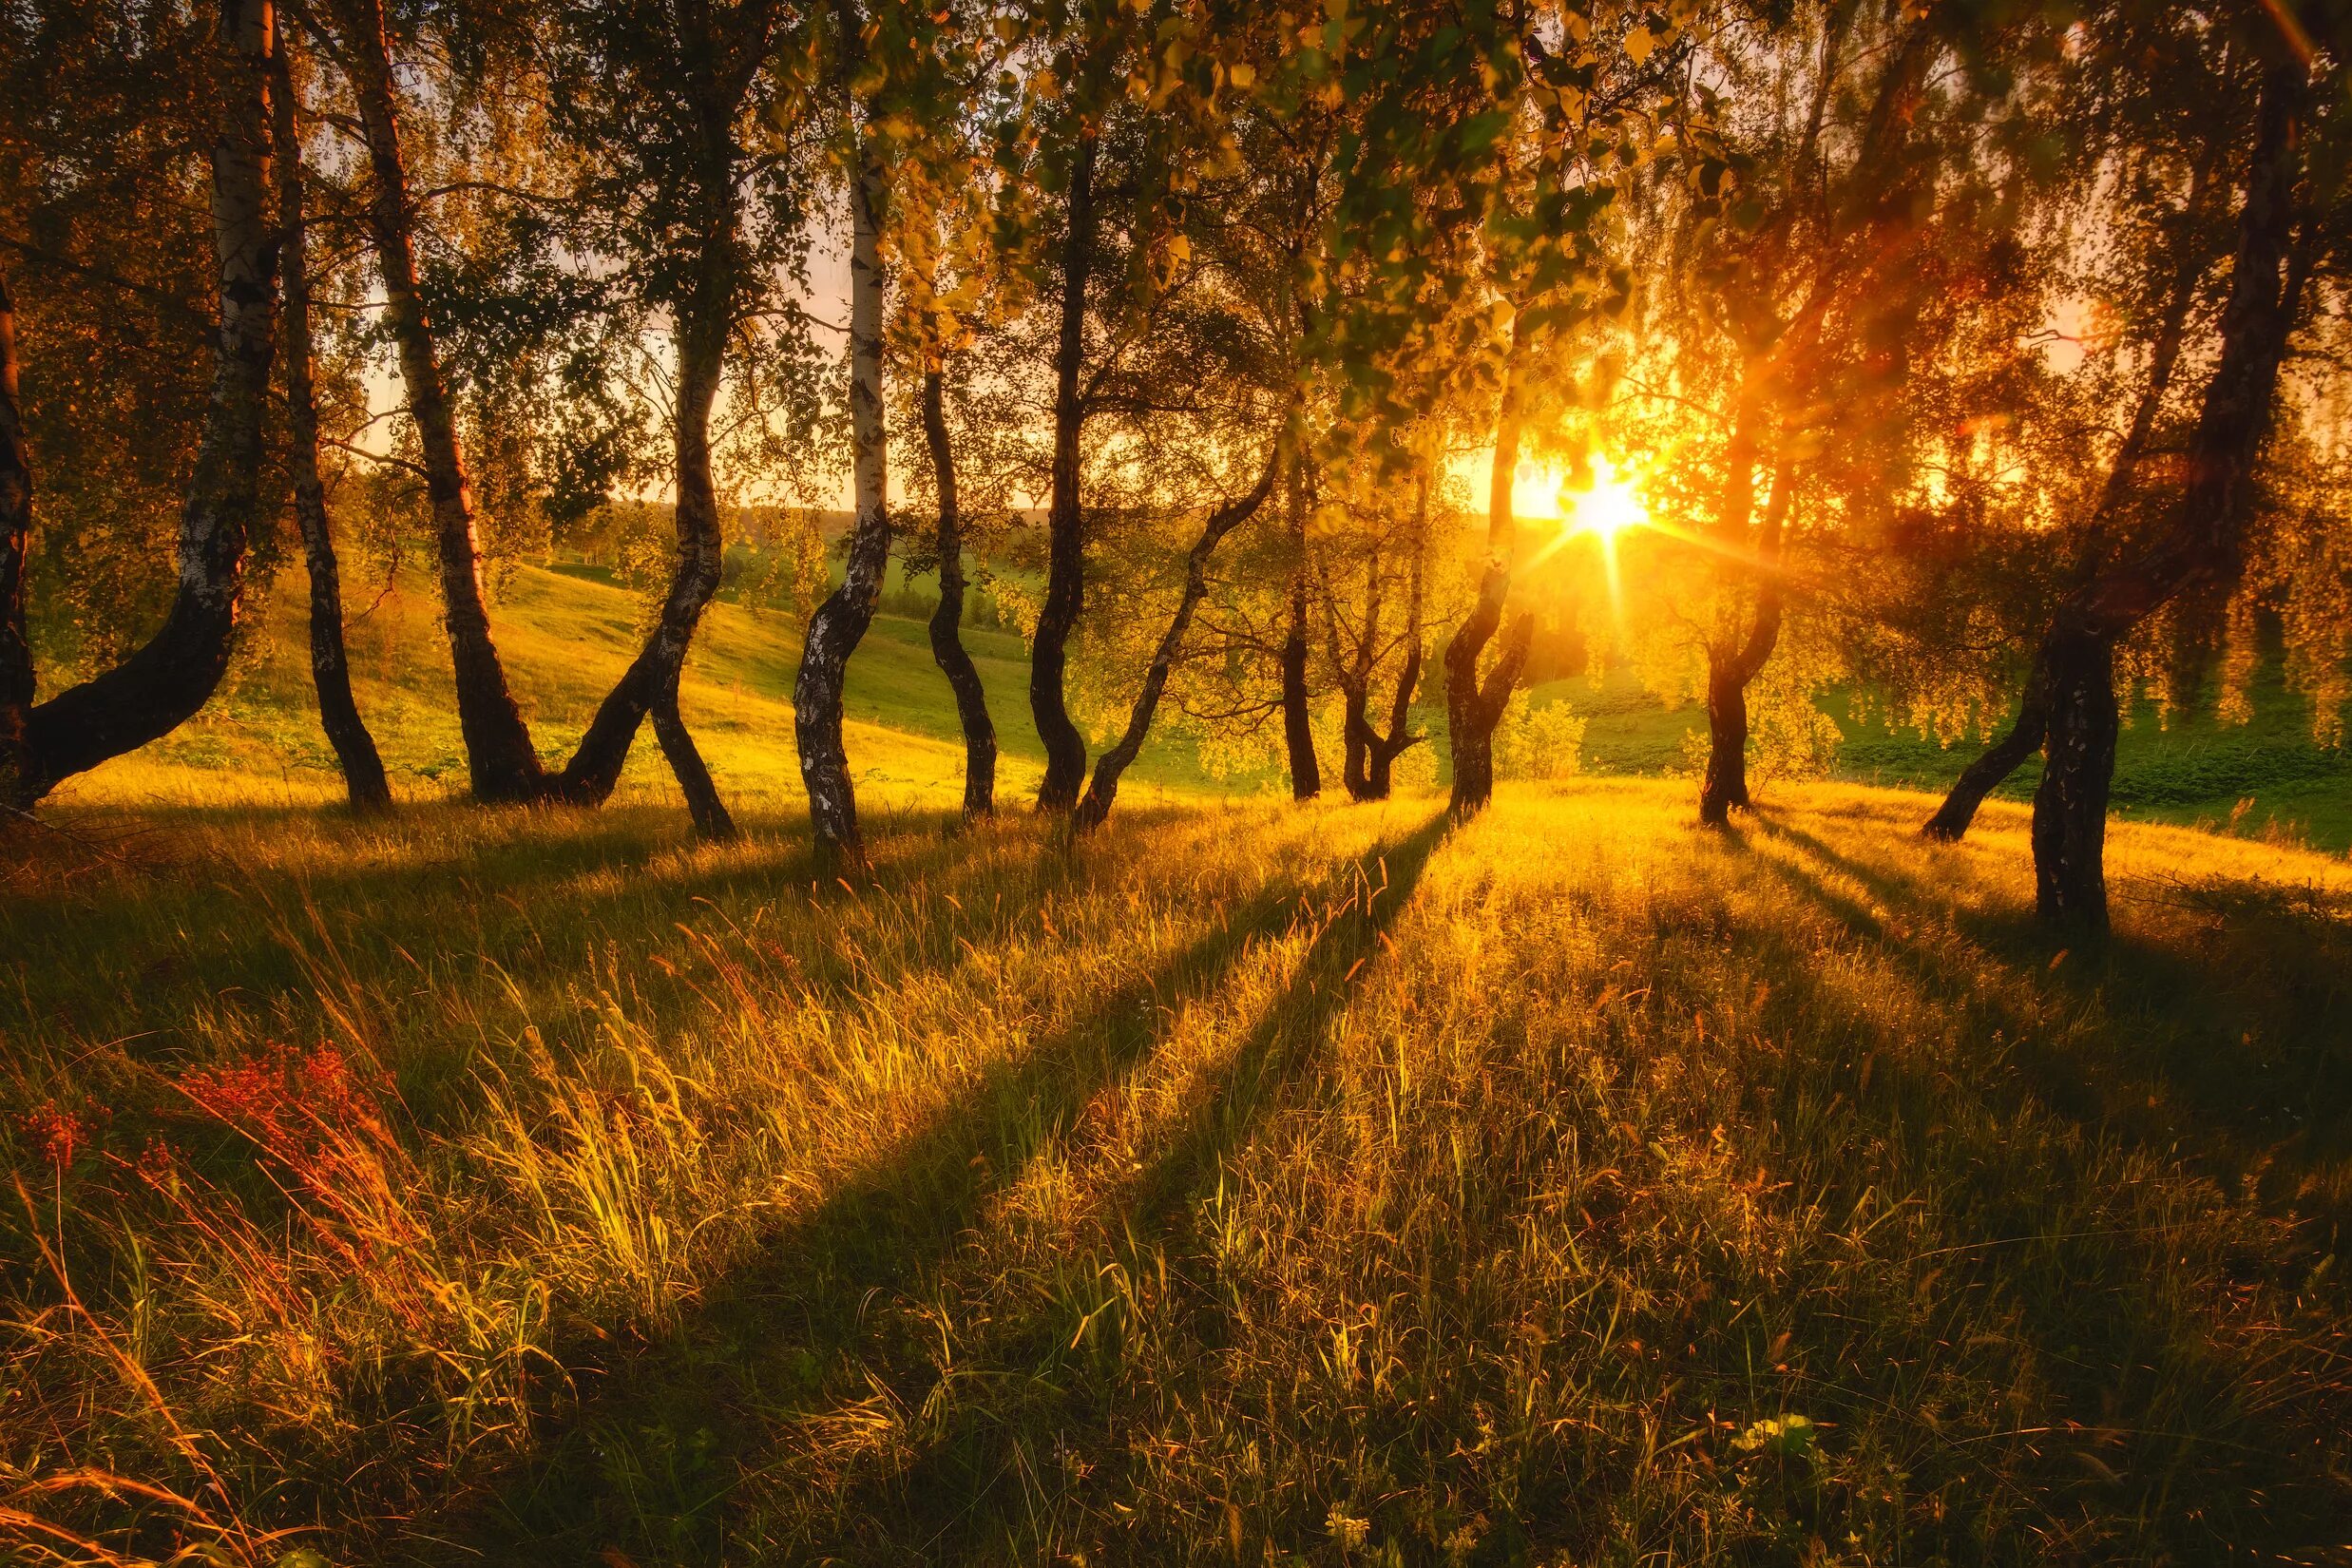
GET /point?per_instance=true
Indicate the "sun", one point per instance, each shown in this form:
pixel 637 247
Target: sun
pixel 1604 509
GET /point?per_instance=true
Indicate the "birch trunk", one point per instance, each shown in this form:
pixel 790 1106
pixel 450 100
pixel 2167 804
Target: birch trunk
pixel 175 671
pixel 500 757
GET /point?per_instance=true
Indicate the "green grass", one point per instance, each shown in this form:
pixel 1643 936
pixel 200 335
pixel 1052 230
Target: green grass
pixel 2192 771
pixel 566 634
pixel 1244 1183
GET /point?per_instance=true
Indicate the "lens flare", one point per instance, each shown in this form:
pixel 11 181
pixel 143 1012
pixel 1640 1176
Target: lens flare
pixel 1604 509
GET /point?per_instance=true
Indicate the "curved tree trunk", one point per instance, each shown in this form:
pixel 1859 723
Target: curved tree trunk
pixel 1730 671
pixel 500 757
pixel 2003 758
pixel 1104 789
pixel 1472 710
pixel 172 674
pixel 1065 542
pixel 1298 733
pixel 653 676
pixel 971 701
pixel 17 682
pixel 840 622
pixel 364 783
pixel 703 804
pixel 1385 748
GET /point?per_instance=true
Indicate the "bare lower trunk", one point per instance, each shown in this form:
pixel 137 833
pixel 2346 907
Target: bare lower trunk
pixel 1298 733
pixel 1104 789
pixel 971 701
pixel 1725 787
pixel 499 755
pixel 703 804
pixel 17 682
pixel 364 783
pixel 175 671
pixel 840 622
pixel 2079 767
pixel 1355 741
pixel 1065 548
pixel 1472 709
pixel 1987 772
pixel 1401 737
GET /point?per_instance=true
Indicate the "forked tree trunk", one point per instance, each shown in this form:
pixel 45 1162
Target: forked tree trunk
pixel 17 682
pixel 1370 755
pixel 2267 277
pixel 1104 789
pixel 1401 737
pixel 500 758
pixel 2024 738
pixel 364 783
pixel 172 674
pixel 840 622
pixel 1473 709
pixel 1298 733
pixel 2070 805
pixel 1065 540
pixel 971 701
pixel 651 677
pixel 1731 670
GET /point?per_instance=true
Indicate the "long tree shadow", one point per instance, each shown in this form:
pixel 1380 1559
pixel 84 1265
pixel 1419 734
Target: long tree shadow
pixel 2087 1297
pixel 672 1428
pixel 2229 1049
pixel 1063 1381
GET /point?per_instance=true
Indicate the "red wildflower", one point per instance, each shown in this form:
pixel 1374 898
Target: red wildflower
pixel 59 1133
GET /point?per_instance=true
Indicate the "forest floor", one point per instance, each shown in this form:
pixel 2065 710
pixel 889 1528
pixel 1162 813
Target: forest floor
pixel 1243 1183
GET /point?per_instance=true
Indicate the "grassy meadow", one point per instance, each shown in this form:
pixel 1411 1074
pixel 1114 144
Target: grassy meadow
pixel 1245 1183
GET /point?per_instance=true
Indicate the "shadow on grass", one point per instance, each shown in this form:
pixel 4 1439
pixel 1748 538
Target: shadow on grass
pixel 1040 1377
pixel 2227 1045
pixel 1999 1251
pixel 673 1430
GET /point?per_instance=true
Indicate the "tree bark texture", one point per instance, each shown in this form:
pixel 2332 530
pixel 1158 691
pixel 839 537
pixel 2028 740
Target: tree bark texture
pixel 2078 769
pixel 1066 543
pixel 173 674
pixel 364 783
pixel 840 622
pixel 500 757
pixel 947 651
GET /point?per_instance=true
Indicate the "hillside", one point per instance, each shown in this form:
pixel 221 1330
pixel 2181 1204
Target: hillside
pixel 568 631
pixel 565 635
pixel 1251 1183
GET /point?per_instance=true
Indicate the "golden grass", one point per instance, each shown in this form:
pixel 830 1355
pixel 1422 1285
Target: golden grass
pixel 1244 1183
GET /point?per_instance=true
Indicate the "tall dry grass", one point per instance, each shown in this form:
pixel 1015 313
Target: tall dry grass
pixel 1243 1183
